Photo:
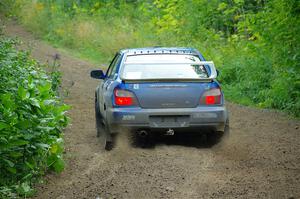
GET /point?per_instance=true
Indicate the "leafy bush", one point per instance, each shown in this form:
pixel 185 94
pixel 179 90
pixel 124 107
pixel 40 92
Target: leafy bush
pixel 31 121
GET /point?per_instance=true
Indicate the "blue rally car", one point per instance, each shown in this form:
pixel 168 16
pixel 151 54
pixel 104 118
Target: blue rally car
pixel 155 88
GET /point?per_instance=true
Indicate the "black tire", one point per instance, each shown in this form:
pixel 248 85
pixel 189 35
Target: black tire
pixel 108 138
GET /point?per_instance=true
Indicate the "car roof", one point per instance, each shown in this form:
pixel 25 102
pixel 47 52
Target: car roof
pixel 159 50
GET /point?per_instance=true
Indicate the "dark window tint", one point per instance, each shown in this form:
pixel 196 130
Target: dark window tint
pixel 113 66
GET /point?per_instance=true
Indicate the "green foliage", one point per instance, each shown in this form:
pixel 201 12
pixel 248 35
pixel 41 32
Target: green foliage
pixel 255 44
pixel 31 121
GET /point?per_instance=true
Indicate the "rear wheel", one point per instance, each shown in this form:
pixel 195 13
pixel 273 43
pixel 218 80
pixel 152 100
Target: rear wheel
pixel 107 139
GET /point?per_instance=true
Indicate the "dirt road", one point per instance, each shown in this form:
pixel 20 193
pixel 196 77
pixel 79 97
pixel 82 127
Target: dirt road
pixel 260 159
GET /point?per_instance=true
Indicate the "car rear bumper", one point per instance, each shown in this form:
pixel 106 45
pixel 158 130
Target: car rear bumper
pixel 139 118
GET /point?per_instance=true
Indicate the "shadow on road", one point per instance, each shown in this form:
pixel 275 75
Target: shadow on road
pixel 205 139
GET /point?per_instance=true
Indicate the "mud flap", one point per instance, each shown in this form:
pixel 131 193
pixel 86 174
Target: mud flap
pixel 108 137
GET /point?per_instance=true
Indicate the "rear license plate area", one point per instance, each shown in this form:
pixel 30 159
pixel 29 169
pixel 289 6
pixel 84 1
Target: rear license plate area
pixel 168 121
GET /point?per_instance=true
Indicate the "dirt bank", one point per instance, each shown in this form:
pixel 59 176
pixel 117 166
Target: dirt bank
pixel 260 159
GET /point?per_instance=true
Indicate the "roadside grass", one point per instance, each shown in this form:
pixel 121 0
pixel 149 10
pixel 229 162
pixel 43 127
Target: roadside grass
pixel 32 119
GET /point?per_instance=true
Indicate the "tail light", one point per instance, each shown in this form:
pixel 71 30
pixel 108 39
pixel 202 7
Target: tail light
pixel 124 98
pixel 211 97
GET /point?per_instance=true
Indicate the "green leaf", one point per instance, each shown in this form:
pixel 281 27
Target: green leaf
pixel 222 6
pixel 54 148
pixel 3 125
pixel 29 165
pixel 238 1
pixel 19 143
pixel 25 124
pixel 15 154
pixel 43 146
pixel 11 170
pixel 10 163
pixel 35 102
pixel 22 92
pixel 28 176
pixel 7 101
pixel 48 102
pixel 3 140
pixel 45 89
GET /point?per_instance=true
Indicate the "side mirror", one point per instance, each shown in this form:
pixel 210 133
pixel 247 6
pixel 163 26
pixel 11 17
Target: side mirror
pixel 97 74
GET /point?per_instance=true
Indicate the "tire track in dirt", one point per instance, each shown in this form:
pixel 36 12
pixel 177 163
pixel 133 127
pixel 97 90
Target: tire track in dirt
pixel 260 159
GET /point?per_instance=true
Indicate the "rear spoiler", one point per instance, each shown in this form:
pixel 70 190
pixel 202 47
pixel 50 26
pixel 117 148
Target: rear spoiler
pixel 213 72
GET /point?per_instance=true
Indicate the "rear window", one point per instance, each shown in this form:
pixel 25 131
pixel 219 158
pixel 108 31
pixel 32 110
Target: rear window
pixel 163 66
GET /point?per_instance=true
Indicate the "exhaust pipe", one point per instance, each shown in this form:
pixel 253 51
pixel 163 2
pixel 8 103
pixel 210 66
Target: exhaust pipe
pixel 142 133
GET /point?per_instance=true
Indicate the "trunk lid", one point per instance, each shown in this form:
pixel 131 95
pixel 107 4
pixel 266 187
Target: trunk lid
pixel 168 94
